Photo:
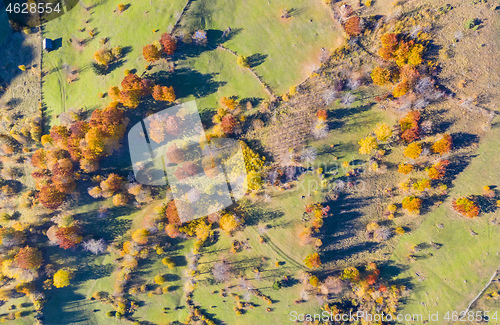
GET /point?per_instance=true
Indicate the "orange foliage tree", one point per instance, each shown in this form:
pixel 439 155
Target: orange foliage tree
pixel 51 197
pixel 443 145
pixel 312 261
pixel 381 76
pixel 164 93
pixel 466 207
pixel 29 258
pixel 151 53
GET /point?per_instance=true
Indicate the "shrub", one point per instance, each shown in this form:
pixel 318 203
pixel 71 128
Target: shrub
pixel 242 62
pixel 400 231
pixel 413 150
pixel 412 204
pixel 466 207
pixel 471 24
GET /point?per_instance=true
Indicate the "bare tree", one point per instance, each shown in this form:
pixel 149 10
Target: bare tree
pixel 222 271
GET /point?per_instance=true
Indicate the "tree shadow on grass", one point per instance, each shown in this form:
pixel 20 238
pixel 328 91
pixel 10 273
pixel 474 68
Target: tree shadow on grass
pixel 14 54
pixel 187 81
pixel 256 59
pixel 65 306
pixel 463 140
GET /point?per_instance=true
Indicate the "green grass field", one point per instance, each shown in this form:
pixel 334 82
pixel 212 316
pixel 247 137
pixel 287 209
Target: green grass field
pixel 459 270
pixel 261 33
pixel 121 31
pixel 278 68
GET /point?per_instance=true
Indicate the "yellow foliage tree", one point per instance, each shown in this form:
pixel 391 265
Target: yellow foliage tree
pixel 413 150
pixel 61 278
pixel 382 131
pixel 366 145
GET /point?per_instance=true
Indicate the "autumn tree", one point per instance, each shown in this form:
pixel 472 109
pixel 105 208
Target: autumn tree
pixel 29 258
pixel 68 237
pixel 466 207
pixel 312 261
pixel 168 44
pixel 413 150
pixel 120 200
pixel 367 144
pixel 412 204
pixel 443 145
pixel 405 168
pixel 381 76
pixel 103 56
pixel 174 154
pixel 114 93
pixel 163 93
pixel 352 26
pixel 61 278
pixel 187 169
pixel 229 222
pixel 172 214
pixel 130 98
pixel 151 53
pixel 112 183
pixel 50 196
pixel 228 124
pixel 438 170
pixel 410 129
pixel 140 236
pixel 389 45
pixel 382 131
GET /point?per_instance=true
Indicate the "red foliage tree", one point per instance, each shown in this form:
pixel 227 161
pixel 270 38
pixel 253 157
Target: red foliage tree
pixel 173 125
pixel 322 114
pixel 228 123
pixel 29 258
pixel 410 130
pixel 186 170
pixel 168 44
pixel 172 214
pixel 67 237
pixel 51 197
pixel 353 26
pixel 174 154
